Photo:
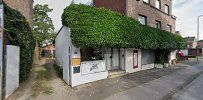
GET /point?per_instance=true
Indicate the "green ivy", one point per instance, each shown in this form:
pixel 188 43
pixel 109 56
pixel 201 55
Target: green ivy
pixel 17 26
pixel 93 27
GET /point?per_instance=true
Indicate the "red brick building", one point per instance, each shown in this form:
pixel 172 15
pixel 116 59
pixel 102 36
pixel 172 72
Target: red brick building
pixel 24 6
pixel 155 13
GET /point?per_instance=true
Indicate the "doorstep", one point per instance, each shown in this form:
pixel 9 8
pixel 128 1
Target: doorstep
pixel 116 73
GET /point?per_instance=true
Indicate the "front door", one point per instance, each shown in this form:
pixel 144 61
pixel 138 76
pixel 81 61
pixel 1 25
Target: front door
pixel 115 59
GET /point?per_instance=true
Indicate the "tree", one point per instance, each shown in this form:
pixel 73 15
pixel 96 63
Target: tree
pixel 43 26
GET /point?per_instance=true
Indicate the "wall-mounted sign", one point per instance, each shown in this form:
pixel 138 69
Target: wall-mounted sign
pixel 90 67
pixel 76 62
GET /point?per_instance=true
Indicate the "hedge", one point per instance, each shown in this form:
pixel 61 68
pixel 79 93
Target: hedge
pixel 16 25
pixel 93 27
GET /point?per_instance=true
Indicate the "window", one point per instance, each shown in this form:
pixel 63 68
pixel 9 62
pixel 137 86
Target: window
pixel 158 24
pixel 158 4
pixel 167 9
pixel 169 28
pixel 148 57
pixel 91 54
pixel 142 19
pixel 146 1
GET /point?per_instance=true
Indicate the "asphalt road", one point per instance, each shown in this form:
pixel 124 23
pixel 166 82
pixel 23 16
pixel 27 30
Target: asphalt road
pixel 194 91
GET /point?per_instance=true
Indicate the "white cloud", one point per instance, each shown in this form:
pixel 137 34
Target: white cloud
pixel 187 12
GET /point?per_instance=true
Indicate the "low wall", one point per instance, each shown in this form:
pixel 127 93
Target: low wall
pixel 147 66
pixel 90 71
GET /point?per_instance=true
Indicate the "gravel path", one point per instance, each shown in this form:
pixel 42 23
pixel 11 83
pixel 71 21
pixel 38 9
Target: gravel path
pixel 61 91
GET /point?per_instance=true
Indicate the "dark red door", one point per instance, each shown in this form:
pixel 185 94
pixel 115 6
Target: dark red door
pixel 135 59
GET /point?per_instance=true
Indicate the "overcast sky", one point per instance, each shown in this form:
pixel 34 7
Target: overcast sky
pixel 185 10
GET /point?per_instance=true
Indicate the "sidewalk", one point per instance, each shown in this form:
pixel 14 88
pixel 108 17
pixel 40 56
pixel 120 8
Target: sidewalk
pixel 106 88
pixel 153 84
pixel 160 89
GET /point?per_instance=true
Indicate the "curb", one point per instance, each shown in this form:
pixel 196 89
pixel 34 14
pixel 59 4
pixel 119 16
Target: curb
pixel 180 87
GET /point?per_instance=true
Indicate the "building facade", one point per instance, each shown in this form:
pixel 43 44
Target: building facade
pixel 155 13
pixel 87 65
pixel 24 6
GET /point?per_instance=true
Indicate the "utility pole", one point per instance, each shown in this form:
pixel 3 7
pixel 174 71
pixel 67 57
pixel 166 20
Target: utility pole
pixel 198 18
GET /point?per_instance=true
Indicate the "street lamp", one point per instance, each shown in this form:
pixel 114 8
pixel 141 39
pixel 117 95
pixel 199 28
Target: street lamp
pixel 198 18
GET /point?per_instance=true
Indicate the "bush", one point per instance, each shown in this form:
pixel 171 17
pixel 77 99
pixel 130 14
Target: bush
pixel 98 27
pixel 16 25
pixel 59 71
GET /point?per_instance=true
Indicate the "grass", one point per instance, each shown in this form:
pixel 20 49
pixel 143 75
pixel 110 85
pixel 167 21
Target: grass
pixel 40 84
pixel 59 71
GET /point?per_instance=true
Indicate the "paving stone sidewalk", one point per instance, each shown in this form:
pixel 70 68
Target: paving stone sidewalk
pixel 159 89
pixel 104 88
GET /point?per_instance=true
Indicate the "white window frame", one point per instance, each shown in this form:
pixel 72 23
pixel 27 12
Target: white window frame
pixel 158 4
pixel 159 27
pixel 146 1
pixel 143 17
pixel 167 9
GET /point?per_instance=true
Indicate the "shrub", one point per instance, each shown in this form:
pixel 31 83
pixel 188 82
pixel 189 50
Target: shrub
pixel 16 25
pixel 93 27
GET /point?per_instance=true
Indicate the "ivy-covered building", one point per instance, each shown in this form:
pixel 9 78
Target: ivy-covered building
pixel 96 43
pixel 25 7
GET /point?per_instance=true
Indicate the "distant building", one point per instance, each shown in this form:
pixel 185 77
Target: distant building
pixel 24 6
pixel 200 45
pixel 191 42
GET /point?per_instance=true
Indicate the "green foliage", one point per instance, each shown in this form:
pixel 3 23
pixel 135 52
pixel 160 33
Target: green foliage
pixel 16 25
pixel 162 56
pixel 43 26
pixel 98 27
pixel 58 70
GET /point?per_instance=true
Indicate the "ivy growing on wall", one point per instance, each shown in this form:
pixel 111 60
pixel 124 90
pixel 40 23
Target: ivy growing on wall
pixel 93 27
pixel 18 28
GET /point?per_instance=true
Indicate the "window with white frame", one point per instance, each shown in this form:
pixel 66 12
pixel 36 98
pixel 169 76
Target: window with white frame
pixel 169 28
pixel 142 19
pixel 158 24
pixel 146 1
pixel 158 4
pixel 167 9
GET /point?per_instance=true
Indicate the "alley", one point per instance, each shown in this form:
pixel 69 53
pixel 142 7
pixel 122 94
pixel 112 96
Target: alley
pixel 43 84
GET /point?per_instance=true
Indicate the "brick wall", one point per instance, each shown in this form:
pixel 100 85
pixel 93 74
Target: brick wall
pixel 24 6
pixel 133 8
pixel 136 7
pixel 115 5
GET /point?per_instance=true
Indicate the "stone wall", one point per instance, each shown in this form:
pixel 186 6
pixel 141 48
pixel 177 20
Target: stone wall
pixel 24 6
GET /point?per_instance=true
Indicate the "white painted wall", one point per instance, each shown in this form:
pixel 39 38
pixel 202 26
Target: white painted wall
pixel 87 76
pixel 148 66
pixel 63 51
pixel 12 69
pixel 172 56
pixel 63 43
pixel 129 60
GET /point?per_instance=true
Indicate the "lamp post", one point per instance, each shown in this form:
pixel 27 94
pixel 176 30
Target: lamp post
pixel 198 18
